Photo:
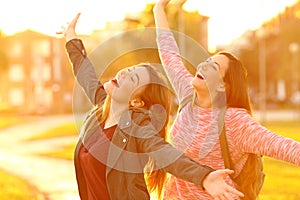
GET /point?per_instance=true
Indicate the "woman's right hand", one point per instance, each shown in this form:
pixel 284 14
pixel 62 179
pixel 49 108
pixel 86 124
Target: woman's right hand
pixel 69 31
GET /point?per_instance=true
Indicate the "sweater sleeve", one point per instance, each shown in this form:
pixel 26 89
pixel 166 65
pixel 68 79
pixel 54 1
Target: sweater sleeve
pixel 84 72
pixel 173 160
pixel 250 136
pixel 177 73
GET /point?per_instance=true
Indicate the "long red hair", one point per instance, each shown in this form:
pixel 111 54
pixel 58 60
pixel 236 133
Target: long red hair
pixel 237 95
pixel 157 92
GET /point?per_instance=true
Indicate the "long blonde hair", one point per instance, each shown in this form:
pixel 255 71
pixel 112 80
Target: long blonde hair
pixel 237 95
pixel 157 92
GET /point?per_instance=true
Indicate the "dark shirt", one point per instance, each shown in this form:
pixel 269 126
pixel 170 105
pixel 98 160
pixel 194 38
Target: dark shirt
pixel 92 158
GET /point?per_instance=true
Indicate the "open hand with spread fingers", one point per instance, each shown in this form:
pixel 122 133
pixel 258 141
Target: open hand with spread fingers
pixel 216 186
pixel 69 31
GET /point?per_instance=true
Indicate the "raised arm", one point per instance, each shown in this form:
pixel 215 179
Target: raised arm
pixel 170 55
pixel 83 69
pixel 160 18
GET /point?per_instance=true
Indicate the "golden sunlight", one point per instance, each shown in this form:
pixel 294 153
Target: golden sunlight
pixel 228 19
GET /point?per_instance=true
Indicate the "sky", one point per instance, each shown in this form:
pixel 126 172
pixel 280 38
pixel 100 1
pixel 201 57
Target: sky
pixel 228 19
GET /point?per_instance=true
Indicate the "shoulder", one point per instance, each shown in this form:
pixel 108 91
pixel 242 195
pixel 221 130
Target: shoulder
pixel 137 117
pixel 238 118
pixel 237 113
pixel 140 122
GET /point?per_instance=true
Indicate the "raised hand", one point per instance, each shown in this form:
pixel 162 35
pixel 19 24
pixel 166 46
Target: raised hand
pixel 216 186
pixel 69 31
pixel 162 3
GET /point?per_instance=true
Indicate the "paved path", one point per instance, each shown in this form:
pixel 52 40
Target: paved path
pixel 53 177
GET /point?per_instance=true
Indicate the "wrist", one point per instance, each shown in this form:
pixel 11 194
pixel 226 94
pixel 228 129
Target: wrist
pixel 204 182
pixel 158 7
pixel 71 37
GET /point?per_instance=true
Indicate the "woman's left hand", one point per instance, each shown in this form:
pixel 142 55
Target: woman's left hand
pixel 216 186
pixel 69 31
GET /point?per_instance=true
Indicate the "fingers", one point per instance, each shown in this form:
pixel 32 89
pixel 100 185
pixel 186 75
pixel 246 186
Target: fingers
pixel 224 172
pixel 227 196
pixel 227 171
pixel 63 29
pixel 178 2
pixel 163 2
pixel 74 21
pixel 221 198
pixel 234 191
pixel 69 26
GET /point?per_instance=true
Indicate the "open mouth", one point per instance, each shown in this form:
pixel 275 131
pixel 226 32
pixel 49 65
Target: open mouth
pixel 200 76
pixel 115 81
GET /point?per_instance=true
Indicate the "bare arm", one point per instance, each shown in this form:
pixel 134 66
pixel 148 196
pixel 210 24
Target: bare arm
pixel 160 18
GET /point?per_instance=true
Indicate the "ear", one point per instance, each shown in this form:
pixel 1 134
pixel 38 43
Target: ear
pixel 137 103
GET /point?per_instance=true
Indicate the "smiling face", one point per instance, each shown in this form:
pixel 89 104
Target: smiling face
pixel 210 75
pixel 127 83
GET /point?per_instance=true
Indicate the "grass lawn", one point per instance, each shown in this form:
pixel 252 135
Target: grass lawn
pixel 14 188
pixel 11 186
pixel 67 129
pixel 282 179
pixel 7 121
pixel 64 152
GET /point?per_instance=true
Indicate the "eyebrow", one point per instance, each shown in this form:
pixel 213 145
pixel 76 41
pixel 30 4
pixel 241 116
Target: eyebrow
pixel 213 61
pixel 217 64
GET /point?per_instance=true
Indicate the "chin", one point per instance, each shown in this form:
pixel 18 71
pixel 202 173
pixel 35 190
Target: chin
pixel 195 85
pixel 108 87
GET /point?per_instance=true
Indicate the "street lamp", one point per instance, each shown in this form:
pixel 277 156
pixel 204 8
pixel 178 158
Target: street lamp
pixel 181 25
pixel 294 50
pixel 261 35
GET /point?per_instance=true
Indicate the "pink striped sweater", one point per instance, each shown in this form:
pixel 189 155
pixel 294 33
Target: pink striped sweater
pixel 191 126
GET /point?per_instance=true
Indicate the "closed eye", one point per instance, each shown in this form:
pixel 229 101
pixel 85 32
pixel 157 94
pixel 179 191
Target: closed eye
pixel 213 66
pixel 217 65
pixel 134 77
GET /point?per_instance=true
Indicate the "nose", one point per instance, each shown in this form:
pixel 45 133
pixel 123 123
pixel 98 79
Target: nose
pixel 121 74
pixel 202 66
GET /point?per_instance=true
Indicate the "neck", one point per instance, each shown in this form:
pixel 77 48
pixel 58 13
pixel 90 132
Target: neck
pixel 116 111
pixel 203 100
